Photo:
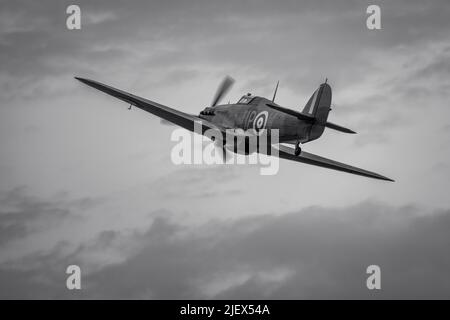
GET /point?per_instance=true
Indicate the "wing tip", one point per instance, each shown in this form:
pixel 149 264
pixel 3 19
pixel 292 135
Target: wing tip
pixel 380 177
pixel 84 80
pixel 375 175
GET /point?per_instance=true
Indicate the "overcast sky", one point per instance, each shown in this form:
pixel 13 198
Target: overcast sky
pixel 85 181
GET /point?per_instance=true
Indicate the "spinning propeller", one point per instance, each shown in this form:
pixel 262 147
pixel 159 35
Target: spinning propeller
pixel 222 90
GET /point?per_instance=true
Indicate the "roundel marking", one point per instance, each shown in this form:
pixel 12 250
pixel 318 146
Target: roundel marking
pixel 260 121
pixel 250 118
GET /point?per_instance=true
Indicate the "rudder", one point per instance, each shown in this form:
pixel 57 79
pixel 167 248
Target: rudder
pixel 318 106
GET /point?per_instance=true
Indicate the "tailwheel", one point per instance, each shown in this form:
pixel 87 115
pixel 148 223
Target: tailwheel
pixel 298 150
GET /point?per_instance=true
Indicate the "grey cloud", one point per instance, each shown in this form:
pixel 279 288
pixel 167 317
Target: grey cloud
pixel 237 35
pixel 208 182
pixel 314 253
pixel 370 138
pixel 21 215
pixel 43 58
pixel 324 252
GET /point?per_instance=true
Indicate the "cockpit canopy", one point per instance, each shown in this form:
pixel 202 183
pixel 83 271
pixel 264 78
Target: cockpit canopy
pixel 245 99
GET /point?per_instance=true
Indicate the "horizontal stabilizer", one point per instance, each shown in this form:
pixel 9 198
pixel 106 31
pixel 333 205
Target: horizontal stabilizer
pixel 294 113
pixel 338 128
pixel 308 118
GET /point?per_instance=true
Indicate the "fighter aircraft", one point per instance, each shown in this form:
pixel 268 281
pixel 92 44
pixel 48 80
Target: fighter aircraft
pixel 258 113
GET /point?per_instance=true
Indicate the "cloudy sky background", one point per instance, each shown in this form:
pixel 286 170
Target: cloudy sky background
pixel 85 181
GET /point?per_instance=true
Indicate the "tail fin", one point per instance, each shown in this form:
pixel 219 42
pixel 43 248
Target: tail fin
pixel 318 106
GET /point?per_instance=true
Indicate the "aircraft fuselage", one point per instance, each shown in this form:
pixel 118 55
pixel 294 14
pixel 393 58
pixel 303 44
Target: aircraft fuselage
pixel 257 115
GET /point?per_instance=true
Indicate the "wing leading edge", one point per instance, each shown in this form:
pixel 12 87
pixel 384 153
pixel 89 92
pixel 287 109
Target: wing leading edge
pixel 182 119
pixel 309 158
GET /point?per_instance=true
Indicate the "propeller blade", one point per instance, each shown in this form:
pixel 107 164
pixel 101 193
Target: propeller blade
pixel 222 90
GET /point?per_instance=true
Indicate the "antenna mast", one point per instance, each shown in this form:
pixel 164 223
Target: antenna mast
pixel 275 93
